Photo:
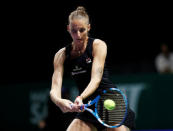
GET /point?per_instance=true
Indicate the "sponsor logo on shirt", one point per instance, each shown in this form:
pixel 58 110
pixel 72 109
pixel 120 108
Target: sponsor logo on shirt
pixel 88 60
pixel 77 70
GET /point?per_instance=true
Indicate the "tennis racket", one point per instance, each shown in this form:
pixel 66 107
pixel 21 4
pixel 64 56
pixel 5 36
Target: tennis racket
pixel 109 118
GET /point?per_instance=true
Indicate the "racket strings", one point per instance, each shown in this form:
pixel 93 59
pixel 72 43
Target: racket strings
pixel 116 115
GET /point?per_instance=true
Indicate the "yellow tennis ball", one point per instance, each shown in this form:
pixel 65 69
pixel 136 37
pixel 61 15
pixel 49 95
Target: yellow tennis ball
pixel 109 104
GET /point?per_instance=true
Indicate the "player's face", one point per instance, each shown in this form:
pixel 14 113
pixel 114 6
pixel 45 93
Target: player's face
pixel 78 29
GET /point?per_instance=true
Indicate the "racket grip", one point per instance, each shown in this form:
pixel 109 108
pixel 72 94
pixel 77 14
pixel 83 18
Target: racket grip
pixel 81 107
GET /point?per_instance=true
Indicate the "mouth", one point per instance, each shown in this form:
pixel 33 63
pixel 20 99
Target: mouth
pixel 79 40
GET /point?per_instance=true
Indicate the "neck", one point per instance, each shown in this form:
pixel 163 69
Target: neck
pixel 80 47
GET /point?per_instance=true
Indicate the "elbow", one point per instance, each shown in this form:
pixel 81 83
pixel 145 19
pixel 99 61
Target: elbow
pixel 51 94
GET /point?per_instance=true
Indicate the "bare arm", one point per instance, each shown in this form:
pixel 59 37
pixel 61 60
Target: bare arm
pixel 55 92
pixel 99 54
pixel 57 78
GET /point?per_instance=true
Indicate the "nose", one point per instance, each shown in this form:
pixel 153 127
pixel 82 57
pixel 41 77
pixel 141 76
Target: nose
pixel 78 34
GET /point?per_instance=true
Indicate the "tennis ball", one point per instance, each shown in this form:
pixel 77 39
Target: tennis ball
pixel 109 104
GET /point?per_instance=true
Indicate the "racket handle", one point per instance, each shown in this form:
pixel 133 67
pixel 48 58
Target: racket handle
pixel 81 107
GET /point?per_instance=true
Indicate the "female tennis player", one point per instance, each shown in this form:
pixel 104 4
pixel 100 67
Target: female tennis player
pixel 85 60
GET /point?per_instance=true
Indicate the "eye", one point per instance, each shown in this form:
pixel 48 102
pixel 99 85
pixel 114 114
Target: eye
pixel 81 30
pixel 74 31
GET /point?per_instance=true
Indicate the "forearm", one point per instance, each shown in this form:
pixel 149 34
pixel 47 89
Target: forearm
pixel 55 92
pixel 96 77
pixel 63 104
pixel 91 88
pixel 55 95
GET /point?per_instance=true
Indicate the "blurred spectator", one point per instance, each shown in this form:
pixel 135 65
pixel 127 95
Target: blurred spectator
pixel 164 60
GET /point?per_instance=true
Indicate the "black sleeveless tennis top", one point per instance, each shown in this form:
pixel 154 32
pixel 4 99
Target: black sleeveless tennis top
pixel 80 68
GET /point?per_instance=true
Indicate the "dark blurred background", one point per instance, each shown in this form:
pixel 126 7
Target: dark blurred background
pixel 32 32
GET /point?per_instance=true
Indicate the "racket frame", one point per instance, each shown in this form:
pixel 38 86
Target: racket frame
pixel 95 114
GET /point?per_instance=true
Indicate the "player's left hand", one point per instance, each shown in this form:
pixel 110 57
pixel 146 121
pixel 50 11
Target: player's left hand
pixel 78 103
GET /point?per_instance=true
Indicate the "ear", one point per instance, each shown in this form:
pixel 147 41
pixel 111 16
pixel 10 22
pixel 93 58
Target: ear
pixel 89 27
pixel 68 28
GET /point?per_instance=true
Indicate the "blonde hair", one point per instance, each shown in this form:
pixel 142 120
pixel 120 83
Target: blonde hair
pixel 79 13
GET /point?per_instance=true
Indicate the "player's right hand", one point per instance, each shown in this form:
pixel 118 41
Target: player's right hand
pixel 65 105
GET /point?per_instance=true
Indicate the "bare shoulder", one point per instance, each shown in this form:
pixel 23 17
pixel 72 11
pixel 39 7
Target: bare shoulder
pixel 99 46
pixel 60 56
pixel 98 43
